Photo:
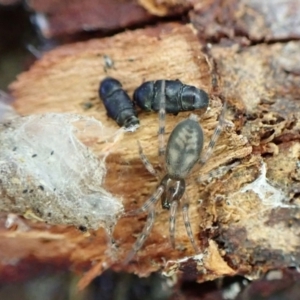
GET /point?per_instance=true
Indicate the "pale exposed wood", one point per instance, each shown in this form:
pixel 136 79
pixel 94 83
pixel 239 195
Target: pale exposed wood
pixel 66 79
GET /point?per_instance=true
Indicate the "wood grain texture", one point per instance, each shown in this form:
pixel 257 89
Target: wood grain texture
pixel 233 223
pixel 64 19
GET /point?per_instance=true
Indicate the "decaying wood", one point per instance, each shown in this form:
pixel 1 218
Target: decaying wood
pixel 65 18
pixel 246 20
pixel 245 221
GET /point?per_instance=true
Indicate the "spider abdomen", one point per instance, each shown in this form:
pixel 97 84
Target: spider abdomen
pixel 184 147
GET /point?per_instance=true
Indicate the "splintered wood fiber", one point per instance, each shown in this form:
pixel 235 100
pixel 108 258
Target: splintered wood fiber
pixel 231 222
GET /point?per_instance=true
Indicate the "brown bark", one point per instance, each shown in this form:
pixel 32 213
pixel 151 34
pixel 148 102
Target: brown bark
pixel 246 20
pixel 65 18
pixel 246 221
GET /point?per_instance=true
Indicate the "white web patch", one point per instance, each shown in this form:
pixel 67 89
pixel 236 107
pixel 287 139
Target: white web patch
pixel 45 168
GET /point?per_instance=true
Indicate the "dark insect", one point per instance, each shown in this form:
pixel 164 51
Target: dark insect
pixel 181 154
pixel 179 96
pixel 117 103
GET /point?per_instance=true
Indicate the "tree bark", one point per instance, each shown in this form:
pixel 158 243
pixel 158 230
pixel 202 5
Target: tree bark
pixel 244 220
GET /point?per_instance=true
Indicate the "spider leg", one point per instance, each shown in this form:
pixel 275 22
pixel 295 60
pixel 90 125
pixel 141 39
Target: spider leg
pixel 146 161
pixel 148 204
pixel 217 173
pixel 162 123
pixel 187 223
pixel 203 159
pixel 172 220
pixel 112 249
pixel 143 236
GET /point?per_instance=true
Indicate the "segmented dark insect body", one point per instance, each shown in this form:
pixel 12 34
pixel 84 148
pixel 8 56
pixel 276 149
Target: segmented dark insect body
pixel 179 97
pixel 117 103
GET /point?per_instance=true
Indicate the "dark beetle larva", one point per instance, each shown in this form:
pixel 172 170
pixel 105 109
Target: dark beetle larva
pixel 182 153
pixel 117 103
pixel 179 97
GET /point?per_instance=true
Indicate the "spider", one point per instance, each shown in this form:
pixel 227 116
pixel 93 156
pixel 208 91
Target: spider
pixel 182 153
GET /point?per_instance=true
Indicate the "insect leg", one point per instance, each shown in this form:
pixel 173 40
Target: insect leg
pixel 172 220
pixel 148 204
pixel 162 123
pixel 203 159
pixel 143 236
pixel 187 223
pixel 146 161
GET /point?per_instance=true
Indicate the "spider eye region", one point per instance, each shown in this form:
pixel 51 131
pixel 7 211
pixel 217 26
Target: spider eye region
pixel 173 191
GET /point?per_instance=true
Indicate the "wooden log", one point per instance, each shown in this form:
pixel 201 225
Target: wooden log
pixel 246 21
pixel 66 18
pixel 234 215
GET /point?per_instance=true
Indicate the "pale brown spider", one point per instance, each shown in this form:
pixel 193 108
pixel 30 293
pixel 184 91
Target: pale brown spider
pixel 182 153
